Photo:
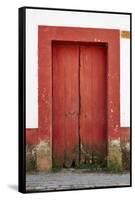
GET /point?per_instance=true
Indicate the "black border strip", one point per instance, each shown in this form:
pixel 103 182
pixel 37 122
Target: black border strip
pixel 76 10
pixel 22 97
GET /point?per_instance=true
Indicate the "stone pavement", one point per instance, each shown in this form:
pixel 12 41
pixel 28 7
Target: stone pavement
pixel 74 179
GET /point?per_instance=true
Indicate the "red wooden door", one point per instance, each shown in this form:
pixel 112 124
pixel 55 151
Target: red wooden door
pixel 93 101
pixel 79 105
pixel 65 105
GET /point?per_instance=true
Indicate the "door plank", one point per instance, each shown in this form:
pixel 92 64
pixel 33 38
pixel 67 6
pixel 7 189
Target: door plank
pixel 65 105
pixel 93 92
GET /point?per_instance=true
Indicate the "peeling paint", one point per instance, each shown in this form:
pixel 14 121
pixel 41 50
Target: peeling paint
pixel 116 129
pixel 44 159
pixel 125 146
pixel 38 157
pixel 115 155
pixel 30 157
pixel 115 142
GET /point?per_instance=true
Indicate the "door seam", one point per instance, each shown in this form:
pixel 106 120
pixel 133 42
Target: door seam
pixel 79 92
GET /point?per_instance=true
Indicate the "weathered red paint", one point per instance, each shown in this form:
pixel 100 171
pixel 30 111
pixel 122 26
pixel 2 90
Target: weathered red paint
pixel 31 135
pixel 47 35
pixel 125 134
pixel 93 100
pixel 79 102
pixel 65 136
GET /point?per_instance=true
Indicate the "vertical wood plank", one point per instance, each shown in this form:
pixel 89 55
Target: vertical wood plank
pixel 65 105
pixel 93 92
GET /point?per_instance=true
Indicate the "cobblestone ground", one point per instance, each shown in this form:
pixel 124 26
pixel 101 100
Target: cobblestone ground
pixel 73 179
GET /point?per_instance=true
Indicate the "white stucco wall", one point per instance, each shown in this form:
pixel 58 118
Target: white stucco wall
pixel 125 82
pixel 73 19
